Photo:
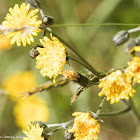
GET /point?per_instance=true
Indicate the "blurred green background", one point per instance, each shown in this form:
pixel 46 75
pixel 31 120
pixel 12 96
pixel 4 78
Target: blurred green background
pixel 95 44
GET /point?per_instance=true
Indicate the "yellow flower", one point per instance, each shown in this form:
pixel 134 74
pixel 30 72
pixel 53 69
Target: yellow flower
pixel 19 83
pixel 20 17
pixel 52 57
pixel 134 50
pixel 116 86
pixel 34 132
pixel 85 127
pixel 133 69
pixel 30 109
pixel 4 43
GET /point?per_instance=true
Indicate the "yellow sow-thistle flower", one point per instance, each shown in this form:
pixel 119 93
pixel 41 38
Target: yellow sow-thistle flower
pixel 116 86
pixel 30 109
pixel 34 132
pixel 20 17
pixel 85 127
pixel 51 58
pixel 133 69
pixel 18 83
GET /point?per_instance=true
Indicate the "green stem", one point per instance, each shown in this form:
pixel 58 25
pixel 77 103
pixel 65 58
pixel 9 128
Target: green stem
pixel 92 70
pixel 134 108
pixel 116 112
pixel 77 54
pixel 95 24
pixel 57 129
pixel 100 107
pixel 62 125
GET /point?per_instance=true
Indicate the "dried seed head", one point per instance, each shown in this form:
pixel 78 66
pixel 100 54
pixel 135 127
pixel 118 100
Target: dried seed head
pixel 76 77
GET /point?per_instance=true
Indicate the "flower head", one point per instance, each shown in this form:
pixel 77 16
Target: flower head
pixel 30 109
pixel 51 58
pixel 19 83
pixel 27 23
pixel 133 69
pixel 85 127
pixel 34 132
pixel 116 86
pixel 4 43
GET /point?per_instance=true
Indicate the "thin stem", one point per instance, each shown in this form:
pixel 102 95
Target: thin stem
pixel 57 129
pixel 95 24
pixel 134 108
pixel 92 70
pixel 41 13
pixel 62 125
pixel 114 113
pixel 46 86
pixel 100 107
pixel 77 54
pixel 134 30
pixel 54 125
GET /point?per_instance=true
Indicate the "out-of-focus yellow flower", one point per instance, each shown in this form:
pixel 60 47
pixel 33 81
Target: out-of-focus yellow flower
pixel 133 69
pixel 51 58
pixel 4 43
pixel 116 86
pixel 85 127
pixel 30 109
pixel 34 132
pixel 19 83
pixel 20 17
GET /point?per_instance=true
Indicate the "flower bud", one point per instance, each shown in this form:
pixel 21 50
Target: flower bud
pixel 121 37
pixel 34 52
pixel 68 135
pixel 33 3
pixel 47 20
pixel 135 51
pixel 129 45
pixel 41 124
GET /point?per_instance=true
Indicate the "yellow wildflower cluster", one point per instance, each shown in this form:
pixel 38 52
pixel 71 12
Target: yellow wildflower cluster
pixel 24 22
pixel 133 69
pixel 85 127
pixel 34 132
pixel 51 58
pixel 116 86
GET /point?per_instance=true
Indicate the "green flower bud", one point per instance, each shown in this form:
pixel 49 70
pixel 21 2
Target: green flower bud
pixel 47 20
pixel 33 3
pixel 41 124
pixel 34 52
pixel 129 45
pixel 121 37
pixel 68 135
